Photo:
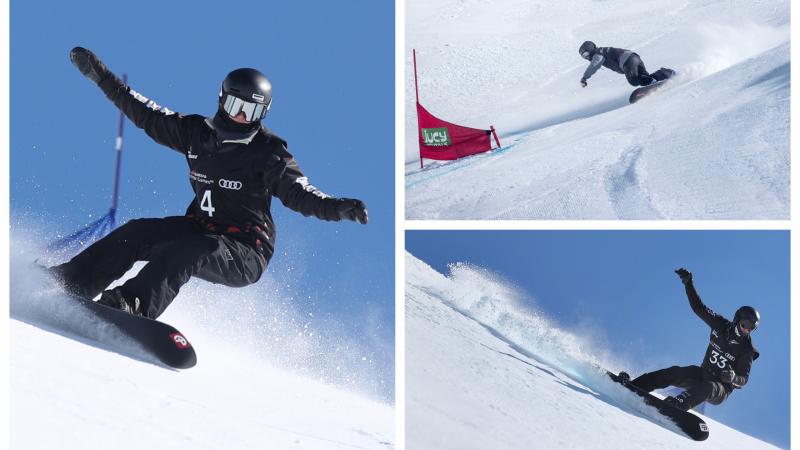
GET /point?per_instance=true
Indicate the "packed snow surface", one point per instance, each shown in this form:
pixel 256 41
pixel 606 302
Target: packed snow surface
pixel 713 144
pixel 483 372
pixel 92 388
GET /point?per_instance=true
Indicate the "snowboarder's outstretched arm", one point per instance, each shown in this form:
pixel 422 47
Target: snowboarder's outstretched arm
pixel 296 193
pixel 711 318
pixel 162 125
pixel 597 62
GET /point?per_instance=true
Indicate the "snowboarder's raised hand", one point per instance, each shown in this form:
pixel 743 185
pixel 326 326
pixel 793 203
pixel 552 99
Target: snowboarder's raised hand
pixel 583 82
pixel 727 376
pixel 352 209
pixel 89 64
pixel 685 275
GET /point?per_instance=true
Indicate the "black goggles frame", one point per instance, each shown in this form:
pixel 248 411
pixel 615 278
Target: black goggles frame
pixel 253 111
pixel 747 324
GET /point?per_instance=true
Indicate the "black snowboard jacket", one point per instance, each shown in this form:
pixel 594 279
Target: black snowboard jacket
pixel 234 175
pixel 726 350
pixel 609 57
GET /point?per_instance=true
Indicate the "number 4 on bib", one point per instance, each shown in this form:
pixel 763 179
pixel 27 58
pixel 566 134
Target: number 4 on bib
pixel 205 204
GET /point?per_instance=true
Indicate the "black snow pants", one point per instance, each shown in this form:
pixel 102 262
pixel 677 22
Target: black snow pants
pixel 637 74
pixel 176 248
pixel 698 388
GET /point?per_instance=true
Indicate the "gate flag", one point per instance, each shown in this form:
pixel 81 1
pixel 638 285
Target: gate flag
pixel 442 140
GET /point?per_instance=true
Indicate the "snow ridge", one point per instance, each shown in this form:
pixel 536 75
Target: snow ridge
pixel 256 384
pixel 713 144
pixel 483 370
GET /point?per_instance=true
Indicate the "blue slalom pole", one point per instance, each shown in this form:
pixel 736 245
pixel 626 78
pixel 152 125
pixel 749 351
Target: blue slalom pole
pixel 118 146
pixel 101 227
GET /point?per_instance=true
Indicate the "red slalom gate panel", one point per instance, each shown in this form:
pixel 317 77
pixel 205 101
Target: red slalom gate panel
pixel 443 140
pixel 439 139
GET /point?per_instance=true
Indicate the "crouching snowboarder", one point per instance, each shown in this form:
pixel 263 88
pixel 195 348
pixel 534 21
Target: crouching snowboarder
pixel 227 235
pixel 727 362
pixel 621 61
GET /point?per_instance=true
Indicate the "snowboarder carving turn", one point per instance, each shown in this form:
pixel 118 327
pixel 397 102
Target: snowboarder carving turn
pixel 227 235
pixel 727 362
pixel 621 61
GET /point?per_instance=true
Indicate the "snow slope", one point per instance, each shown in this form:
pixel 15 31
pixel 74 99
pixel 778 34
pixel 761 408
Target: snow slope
pixel 714 145
pixel 71 394
pixel 481 373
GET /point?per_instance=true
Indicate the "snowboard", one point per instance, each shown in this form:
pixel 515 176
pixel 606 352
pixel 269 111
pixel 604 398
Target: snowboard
pixel 640 93
pixel 168 345
pixel 692 425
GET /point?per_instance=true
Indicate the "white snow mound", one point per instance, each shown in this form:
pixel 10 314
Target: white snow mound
pixel 713 144
pixel 77 394
pixel 482 373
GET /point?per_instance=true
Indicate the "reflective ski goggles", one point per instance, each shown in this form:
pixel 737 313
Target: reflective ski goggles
pixel 747 324
pixel 585 55
pixel 252 111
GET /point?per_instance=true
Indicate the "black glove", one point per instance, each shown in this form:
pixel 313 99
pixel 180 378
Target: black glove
pixel 727 376
pixel 686 276
pixel 583 82
pixel 89 64
pixel 351 209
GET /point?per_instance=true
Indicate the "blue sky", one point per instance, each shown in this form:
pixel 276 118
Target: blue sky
pixel 622 282
pixel 332 69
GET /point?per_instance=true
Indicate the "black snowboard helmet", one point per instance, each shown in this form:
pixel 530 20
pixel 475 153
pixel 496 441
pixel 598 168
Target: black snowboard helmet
pixel 587 49
pixel 246 90
pixel 747 317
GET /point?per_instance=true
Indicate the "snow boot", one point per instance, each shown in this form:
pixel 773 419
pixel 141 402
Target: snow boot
pixel 679 401
pixel 663 74
pixel 116 299
pixel 57 275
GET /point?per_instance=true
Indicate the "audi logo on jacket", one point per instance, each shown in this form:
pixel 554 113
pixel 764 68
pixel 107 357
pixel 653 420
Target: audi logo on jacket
pixel 726 349
pixel 234 175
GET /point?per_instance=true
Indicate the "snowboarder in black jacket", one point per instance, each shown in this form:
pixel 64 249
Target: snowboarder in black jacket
pixel 227 235
pixel 621 61
pixel 726 364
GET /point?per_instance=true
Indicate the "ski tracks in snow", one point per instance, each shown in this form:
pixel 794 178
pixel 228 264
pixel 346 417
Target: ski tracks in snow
pixel 625 185
pixel 523 382
pixel 720 145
